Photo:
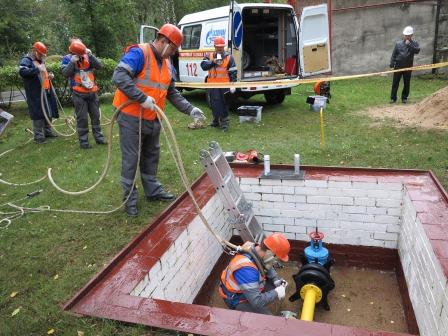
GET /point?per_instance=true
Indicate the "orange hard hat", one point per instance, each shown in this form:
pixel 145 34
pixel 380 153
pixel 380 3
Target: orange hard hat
pixel 316 87
pixel 77 48
pixel 219 41
pixel 278 244
pixel 172 33
pixel 40 48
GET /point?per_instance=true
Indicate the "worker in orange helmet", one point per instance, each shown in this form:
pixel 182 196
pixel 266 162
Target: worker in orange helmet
pixel 36 78
pixel 221 68
pixel 78 66
pixel 144 76
pixel 249 283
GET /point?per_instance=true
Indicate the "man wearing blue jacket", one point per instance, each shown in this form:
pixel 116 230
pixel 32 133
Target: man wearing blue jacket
pixel 35 80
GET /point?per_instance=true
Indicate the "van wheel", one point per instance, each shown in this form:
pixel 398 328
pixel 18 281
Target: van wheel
pixel 274 98
pixel 246 60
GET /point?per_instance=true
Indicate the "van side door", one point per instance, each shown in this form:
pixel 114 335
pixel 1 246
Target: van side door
pixel 314 41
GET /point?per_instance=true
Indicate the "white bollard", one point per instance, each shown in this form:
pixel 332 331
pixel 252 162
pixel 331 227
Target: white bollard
pixel 267 165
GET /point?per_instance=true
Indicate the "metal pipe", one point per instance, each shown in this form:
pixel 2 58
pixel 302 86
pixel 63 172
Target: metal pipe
pixel 309 303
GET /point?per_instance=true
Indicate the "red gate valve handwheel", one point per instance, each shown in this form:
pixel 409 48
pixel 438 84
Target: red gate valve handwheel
pixel 316 235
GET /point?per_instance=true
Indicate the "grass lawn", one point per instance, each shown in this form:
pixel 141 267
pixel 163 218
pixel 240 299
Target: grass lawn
pixel 46 257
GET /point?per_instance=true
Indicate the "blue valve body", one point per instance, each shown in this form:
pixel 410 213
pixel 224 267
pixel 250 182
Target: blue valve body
pixel 316 252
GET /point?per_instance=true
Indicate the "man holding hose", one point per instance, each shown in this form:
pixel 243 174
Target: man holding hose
pixel 144 76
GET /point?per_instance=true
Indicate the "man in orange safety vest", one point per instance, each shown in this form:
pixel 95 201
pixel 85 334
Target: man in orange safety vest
pixel 144 80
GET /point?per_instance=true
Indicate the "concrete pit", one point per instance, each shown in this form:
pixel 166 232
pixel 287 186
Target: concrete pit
pixel 392 223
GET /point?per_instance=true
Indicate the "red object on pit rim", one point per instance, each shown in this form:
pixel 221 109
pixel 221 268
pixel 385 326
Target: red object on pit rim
pixel 316 235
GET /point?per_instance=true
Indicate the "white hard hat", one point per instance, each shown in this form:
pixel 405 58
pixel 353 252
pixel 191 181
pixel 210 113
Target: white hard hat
pixel 408 30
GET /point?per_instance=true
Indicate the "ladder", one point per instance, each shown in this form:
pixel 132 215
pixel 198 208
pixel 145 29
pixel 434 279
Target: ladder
pixel 240 212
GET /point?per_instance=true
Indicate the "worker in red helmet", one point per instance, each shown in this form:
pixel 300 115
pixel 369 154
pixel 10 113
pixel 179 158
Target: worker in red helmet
pixel 249 283
pixel 144 76
pixel 79 66
pixel 221 68
pixel 36 78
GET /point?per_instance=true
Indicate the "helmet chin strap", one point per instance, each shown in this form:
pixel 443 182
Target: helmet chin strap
pixel 164 50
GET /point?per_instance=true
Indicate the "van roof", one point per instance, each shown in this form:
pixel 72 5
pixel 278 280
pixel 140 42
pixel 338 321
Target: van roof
pixel 222 12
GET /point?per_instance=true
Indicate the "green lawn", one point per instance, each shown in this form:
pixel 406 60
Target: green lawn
pixel 46 257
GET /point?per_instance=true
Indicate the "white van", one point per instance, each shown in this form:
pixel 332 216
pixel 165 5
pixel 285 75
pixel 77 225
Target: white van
pixel 266 41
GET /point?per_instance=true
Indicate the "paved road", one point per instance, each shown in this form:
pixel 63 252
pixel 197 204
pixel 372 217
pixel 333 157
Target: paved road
pixel 15 96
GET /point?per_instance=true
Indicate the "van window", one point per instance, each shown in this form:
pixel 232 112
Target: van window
pixel 192 37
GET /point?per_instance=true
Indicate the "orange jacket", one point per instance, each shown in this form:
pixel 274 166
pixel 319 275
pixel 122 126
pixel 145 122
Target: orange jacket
pixel 219 73
pixel 152 81
pixel 228 280
pixel 85 67
pixel 44 76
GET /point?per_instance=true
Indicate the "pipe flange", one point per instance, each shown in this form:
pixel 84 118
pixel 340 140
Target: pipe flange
pixel 316 289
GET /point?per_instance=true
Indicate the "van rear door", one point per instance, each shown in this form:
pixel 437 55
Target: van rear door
pixel 147 34
pixel 314 41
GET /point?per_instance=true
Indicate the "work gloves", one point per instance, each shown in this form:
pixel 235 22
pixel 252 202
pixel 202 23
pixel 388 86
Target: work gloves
pixel 280 282
pixel 197 114
pixel 74 58
pixel 281 291
pixel 232 90
pixel 149 103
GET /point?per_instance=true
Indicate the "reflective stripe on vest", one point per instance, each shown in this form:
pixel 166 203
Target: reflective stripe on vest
pixel 219 73
pixel 152 81
pixel 228 279
pixel 84 66
pixel 44 79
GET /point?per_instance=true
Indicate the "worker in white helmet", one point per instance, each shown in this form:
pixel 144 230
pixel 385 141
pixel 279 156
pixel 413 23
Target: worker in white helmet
pixel 403 57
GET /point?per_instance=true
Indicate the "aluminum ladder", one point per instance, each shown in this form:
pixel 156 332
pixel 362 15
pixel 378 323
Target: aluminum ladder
pixel 240 211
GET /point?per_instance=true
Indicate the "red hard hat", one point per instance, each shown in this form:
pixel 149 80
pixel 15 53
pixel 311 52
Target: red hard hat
pixel 219 41
pixel 40 48
pixel 172 33
pixel 77 48
pixel 278 244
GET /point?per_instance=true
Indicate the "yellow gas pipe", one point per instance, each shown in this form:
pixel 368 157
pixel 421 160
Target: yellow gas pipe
pixel 310 294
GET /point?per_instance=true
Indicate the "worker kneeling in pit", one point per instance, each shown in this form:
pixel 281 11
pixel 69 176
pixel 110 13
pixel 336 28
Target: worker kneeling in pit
pixel 250 283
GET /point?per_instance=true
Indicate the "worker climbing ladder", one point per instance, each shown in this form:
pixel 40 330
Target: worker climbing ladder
pixel 240 211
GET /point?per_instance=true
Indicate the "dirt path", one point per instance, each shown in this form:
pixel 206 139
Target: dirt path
pixel 432 112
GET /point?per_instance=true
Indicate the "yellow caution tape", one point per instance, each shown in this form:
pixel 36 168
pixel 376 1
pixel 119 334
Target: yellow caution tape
pixel 295 82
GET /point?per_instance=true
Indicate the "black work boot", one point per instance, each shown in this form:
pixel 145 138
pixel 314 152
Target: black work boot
pixel 163 196
pixel 84 145
pixel 225 124
pixel 214 123
pixel 131 210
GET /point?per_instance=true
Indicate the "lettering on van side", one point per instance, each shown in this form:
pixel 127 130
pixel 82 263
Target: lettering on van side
pixel 211 34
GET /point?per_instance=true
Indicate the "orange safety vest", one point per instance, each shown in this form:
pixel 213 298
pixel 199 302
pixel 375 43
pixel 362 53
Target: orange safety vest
pixel 85 67
pixel 219 73
pixel 152 81
pixel 45 80
pixel 228 280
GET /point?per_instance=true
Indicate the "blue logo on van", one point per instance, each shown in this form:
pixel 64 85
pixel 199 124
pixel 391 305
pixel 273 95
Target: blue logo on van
pixel 212 34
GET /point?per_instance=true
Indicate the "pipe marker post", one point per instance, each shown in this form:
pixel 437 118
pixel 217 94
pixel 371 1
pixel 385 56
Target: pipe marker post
pixel 322 135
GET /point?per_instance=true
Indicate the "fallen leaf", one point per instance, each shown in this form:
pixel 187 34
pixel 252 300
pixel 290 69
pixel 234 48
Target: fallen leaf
pixel 56 277
pixel 16 311
pixel 348 309
pixel 13 294
pixel 392 322
pixel 343 295
pixel 50 332
pixel 84 247
pixel 80 333
pixel 371 302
